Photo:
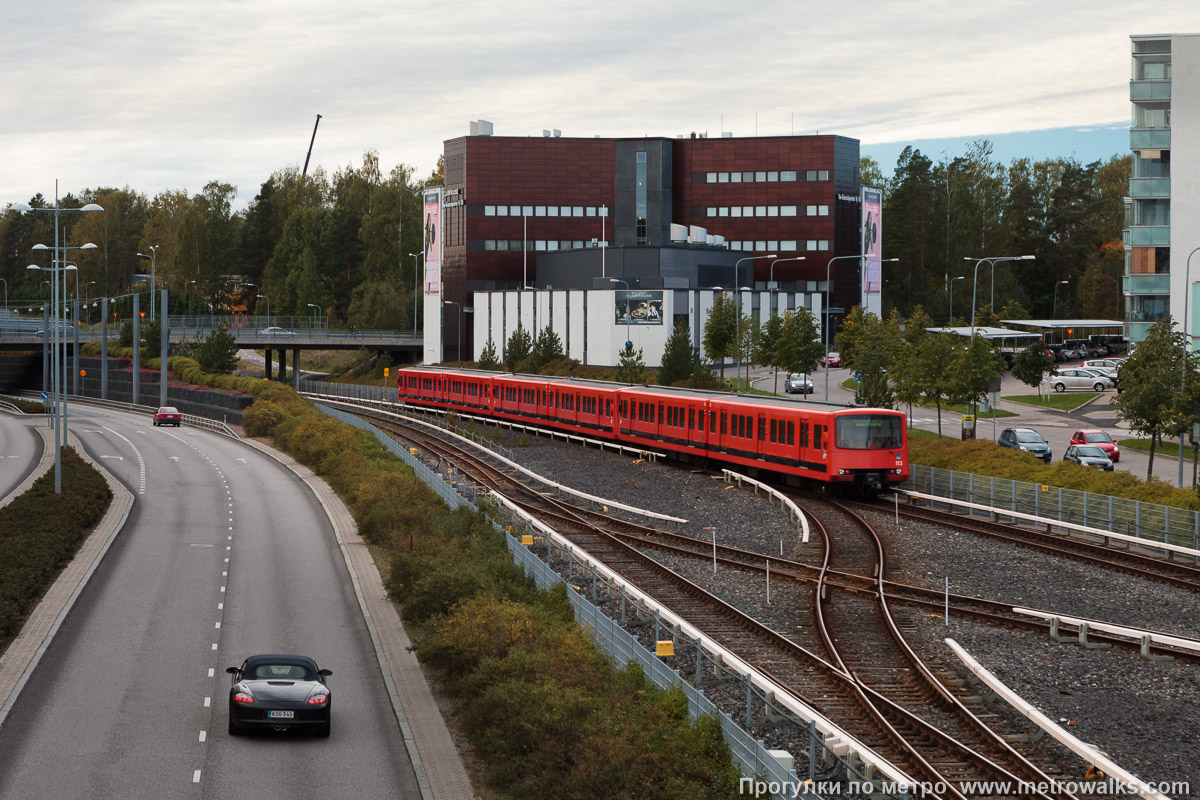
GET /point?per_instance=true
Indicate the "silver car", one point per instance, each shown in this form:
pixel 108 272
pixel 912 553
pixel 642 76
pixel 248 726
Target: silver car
pixel 796 383
pixel 1065 379
pixel 1088 455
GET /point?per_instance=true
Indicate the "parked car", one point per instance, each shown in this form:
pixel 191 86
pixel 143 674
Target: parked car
pixel 834 359
pixel 1100 439
pixel 1102 363
pixel 797 383
pixel 1057 352
pixel 168 415
pixel 1105 372
pixel 1085 349
pixel 1088 455
pixel 1064 379
pixel 1028 440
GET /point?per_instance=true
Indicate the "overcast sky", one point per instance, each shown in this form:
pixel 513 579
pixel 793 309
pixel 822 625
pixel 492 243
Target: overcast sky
pixel 157 94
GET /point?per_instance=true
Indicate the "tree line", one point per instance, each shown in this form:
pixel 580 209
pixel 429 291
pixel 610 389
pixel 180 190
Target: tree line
pixel 340 242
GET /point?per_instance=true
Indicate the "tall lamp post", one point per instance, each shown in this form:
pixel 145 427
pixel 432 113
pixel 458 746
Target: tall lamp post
pixel 153 259
pixel 1187 344
pixel 628 313
pixel 416 286
pixel 950 321
pixel 5 302
pixel 85 299
pixel 264 297
pixel 828 295
pixel 737 302
pixel 317 307
pixel 780 261
pixel 975 279
pixel 1054 314
pixel 452 303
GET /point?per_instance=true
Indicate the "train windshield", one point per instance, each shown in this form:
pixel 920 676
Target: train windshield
pixel 870 432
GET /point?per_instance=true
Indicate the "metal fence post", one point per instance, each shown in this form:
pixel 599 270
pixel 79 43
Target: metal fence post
pixel 699 662
pixel 1137 518
pixel 812 750
pixel 749 692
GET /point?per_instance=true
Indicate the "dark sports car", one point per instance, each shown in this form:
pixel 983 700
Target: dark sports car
pixel 279 692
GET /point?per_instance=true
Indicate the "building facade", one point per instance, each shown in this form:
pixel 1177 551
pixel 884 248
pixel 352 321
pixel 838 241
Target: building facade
pixel 1163 206
pixel 648 214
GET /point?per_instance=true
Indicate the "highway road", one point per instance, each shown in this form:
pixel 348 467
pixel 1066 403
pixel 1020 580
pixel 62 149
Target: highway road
pixel 225 554
pixel 1055 426
pixel 21 448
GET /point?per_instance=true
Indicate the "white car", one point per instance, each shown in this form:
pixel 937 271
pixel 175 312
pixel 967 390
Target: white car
pixel 275 330
pixel 1065 379
pixel 1102 363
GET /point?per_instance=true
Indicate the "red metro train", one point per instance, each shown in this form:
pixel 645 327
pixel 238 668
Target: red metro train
pixel 859 450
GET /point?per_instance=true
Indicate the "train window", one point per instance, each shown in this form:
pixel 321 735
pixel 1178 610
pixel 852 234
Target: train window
pixel 608 408
pixel 774 430
pixel 869 432
pixel 791 433
pixel 742 426
pixel 817 436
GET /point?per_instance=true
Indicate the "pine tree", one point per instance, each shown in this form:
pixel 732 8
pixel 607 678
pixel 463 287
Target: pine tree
pixel 631 368
pixel 678 357
pixel 217 354
pixel 488 358
pixel 519 348
pixel 547 348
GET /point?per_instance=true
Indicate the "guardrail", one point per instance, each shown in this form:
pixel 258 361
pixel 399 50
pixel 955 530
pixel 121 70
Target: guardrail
pixel 1146 521
pixel 784 501
pixel 7 406
pixel 1088 753
pixel 1146 638
pixel 190 419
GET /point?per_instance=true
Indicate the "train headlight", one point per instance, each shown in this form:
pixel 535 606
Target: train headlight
pixel 898 471
pixel 841 472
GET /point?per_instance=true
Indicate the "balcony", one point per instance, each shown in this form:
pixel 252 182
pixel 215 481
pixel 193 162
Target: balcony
pixel 1148 236
pixel 1150 139
pixel 1150 187
pixel 1149 90
pixel 1148 284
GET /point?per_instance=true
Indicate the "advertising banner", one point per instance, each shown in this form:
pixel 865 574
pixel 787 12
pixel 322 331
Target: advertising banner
pixel 433 240
pixel 872 248
pixel 637 307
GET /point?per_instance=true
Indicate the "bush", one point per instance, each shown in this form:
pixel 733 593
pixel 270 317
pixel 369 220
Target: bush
pixel 40 531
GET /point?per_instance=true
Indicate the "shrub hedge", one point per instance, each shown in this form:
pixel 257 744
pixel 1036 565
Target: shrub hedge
pixel 545 711
pixel 983 457
pixel 40 531
pixel 26 406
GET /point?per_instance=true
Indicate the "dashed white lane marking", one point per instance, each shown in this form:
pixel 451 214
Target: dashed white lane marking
pixel 196 776
pixel 211 672
pixel 141 461
pixel 203 735
pixel 207 702
pixel 214 645
pixel 218 625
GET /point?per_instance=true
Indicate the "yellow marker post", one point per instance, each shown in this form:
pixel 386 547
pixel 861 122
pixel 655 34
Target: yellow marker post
pixel 526 539
pixel 664 648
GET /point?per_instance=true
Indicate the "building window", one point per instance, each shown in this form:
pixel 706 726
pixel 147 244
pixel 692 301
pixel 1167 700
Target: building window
pixel 710 177
pixel 514 244
pixel 566 211
pixel 772 177
pixel 578 211
pixel 527 211
pixel 772 246
pixel 736 212
pixel 552 245
pixel 723 211
pixel 712 211
pixel 760 211
pixel 823 175
pixel 811 245
pixel 810 211
pixel 735 177
pixel 810 175
pixel 489 211
pixel 788 176
pixel 539 211
pixel 822 211
pixel 747 211
pixel 577 244
pixel 722 177
pixel 640 207
pixel 787 211
pixel 540 246
pixel 501 244
pixel 501 211
pixel 823 244
pixel 591 211
pixel 760 246
pixel 788 245
pixel 772 211
pixel 760 177
pixel 489 244
pixel 551 211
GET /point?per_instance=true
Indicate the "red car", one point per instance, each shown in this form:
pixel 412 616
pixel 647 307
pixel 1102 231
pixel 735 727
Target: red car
pixel 1100 439
pixel 167 415
pixel 835 359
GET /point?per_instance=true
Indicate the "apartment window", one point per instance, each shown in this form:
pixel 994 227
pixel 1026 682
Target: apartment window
pixel 1151 115
pixel 551 211
pixel 735 177
pixel 722 177
pixel 539 211
pixel 489 211
pixel 723 211
pixel 789 245
pixel 736 211
pixel 711 211
pixel 760 177
pixel 1146 166
pixel 501 211
pixel 788 176
pixel 787 211
pixel 710 177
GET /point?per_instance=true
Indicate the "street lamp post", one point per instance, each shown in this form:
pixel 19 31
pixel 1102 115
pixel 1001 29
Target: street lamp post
pixel 628 313
pixel 317 307
pixel 5 302
pixel 85 299
pixel 1054 315
pixel 771 278
pixel 185 288
pixel 153 258
pixel 828 295
pixel 950 321
pixel 416 287
pixel 737 302
pixel 975 279
pixel 1187 344
pixel 264 297
pixel 452 303
pixel 603 237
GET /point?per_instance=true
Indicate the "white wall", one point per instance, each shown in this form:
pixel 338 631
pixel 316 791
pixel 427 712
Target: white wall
pixel 1185 177
pixel 433 311
pixel 578 334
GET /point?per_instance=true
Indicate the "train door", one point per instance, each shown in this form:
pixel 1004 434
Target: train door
pixel 760 435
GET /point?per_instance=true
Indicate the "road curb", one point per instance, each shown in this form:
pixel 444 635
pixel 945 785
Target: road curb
pixel 26 651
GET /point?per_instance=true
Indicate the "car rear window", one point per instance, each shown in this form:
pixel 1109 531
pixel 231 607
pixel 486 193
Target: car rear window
pixel 1098 437
pixel 295 672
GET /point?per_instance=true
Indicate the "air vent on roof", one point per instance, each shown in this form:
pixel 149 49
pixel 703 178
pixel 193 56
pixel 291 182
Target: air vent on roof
pixel 481 127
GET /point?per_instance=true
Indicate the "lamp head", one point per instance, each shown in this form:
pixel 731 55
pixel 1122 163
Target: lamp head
pixel 142 255
pixel 21 207
pixel 88 246
pixel 91 207
pixel 1028 258
pixel 71 268
pixel 39 247
pixel 33 266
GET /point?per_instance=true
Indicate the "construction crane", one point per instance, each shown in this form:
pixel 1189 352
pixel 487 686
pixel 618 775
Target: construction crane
pixel 310 145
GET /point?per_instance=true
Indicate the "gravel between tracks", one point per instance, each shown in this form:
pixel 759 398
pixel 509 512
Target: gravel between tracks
pixel 1142 714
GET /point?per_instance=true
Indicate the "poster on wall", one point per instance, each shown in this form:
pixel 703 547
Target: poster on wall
pixel 872 248
pixel 637 307
pixel 433 240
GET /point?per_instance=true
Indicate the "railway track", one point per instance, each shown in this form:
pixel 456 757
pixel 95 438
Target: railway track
pixel 868 692
pixel 1142 565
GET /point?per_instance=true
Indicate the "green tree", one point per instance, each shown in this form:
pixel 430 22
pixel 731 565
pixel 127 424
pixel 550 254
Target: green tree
pixel 874 357
pixel 217 354
pixel 630 367
pixel 975 365
pixel 799 348
pixel 1031 364
pixel 907 374
pixel 151 333
pixel 547 348
pixel 853 334
pixel 378 305
pixel 1150 400
pixel 519 347
pixel 1013 310
pixel 488 359
pixel 679 357
pixel 936 371
pixel 720 331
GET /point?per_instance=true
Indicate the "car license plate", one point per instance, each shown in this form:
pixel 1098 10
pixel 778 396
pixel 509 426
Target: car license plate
pixel 281 714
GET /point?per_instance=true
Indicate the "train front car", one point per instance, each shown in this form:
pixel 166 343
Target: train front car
pixel 869 449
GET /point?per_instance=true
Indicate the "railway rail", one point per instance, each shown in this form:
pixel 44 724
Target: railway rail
pixel 871 701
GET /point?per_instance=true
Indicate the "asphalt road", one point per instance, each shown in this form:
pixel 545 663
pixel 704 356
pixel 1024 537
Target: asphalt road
pixel 1055 426
pixel 20 449
pixel 225 554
